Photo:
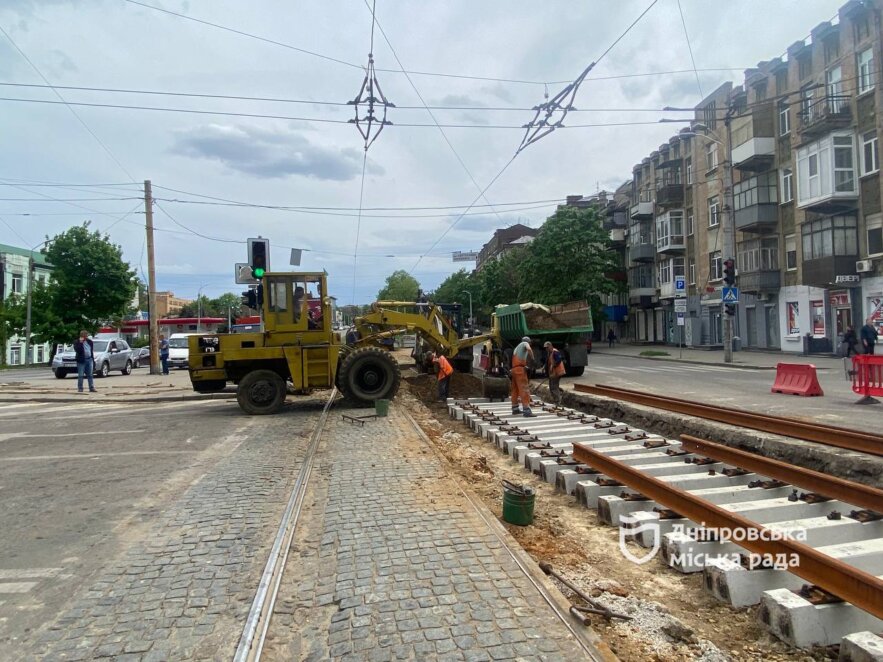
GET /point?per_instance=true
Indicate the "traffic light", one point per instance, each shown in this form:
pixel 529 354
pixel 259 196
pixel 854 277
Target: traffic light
pixel 250 299
pixel 730 309
pixel 730 272
pixel 259 256
pixel 259 295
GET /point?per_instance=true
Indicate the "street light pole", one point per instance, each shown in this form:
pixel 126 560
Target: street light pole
pixel 471 323
pixel 29 296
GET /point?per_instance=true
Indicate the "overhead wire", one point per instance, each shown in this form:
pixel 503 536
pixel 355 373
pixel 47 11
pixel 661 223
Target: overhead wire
pixel 690 48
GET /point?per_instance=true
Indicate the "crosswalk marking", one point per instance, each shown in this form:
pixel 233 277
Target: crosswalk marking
pixel 16 587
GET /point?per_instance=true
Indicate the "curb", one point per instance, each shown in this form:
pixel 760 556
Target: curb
pixel 671 359
pixel 125 400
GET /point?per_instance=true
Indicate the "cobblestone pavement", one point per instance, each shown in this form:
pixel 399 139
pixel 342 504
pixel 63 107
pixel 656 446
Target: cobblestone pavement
pixel 391 562
pixel 182 590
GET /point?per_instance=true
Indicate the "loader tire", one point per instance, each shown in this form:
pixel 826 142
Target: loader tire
pixel 369 374
pixel 261 392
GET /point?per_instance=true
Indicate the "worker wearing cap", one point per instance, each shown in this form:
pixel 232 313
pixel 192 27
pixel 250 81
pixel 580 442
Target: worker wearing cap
pixel 518 390
pixel 554 370
pixel 445 370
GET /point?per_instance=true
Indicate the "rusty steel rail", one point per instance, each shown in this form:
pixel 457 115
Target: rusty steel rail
pixel 856 494
pixel 829 435
pixel 855 586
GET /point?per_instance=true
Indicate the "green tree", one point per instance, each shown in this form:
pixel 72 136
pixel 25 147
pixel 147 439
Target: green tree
pixel 90 285
pixel 400 286
pixel 570 259
pixel 225 302
pixel 453 287
pixel 499 281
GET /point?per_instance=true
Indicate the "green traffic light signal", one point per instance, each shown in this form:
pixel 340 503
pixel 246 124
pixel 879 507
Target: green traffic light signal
pixel 258 272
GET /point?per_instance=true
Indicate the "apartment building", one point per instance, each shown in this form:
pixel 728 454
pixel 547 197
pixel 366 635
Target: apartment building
pixel 799 142
pixel 168 305
pixel 504 240
pixel 16 278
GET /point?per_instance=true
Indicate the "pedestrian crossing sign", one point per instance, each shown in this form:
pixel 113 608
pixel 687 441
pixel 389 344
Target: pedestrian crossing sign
pixel 730 295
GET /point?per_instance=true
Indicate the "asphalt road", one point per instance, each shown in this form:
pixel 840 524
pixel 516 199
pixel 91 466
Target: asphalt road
pixel 733 387
pixel 80 483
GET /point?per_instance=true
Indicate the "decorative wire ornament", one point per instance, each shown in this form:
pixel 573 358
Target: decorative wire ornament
pixel 370 97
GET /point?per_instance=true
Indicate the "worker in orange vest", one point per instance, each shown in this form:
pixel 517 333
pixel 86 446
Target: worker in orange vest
pixel 518 387
pixel 554 370
pixel 445 370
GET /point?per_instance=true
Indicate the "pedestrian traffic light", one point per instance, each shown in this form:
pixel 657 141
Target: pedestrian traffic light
pixel 730 272
pixel 259 256
pixel 730 309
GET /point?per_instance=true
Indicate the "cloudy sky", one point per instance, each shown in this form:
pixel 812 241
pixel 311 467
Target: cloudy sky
pixel 306 155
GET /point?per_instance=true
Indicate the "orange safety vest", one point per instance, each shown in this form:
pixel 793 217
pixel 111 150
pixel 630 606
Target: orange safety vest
pixel 554 370
pixel 444 368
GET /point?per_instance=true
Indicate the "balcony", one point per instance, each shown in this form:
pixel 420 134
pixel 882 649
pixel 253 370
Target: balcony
pixel 667 290
pixel 823 271
pixel 671 243
pixel 828 113
pixel 670 195
pixel 756 282
pixel 644 297
pixel 617 236
pixel 642 253
pixel 642 210
pixel 755 155
pixel 758 218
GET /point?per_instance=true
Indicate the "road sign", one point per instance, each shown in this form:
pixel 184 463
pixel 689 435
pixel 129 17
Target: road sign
pixel 243 274
pixel 680 318
pixel 680 305
pixel 680 284
pixel 730 295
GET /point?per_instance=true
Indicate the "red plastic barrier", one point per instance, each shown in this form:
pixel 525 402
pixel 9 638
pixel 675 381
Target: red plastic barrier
pixel 867 376
pixel 484 361
pixel 796 379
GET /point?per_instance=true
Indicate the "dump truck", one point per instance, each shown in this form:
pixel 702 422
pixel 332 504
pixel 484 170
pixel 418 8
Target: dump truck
pixel 568 326
pixel 297 351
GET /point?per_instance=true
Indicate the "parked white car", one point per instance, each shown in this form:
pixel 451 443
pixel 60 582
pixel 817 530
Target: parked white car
pixel 113 354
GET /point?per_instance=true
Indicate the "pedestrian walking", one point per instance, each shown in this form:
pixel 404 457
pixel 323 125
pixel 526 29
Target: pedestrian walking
pixel 554 370
pixel 445 370
pixel 85 353
pixel 611 338
pixel 849 341
pixel 869 336
pixel 522 357
pixel 164 353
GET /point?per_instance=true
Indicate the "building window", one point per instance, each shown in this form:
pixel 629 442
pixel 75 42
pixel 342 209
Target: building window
pixel 806 97
pixel 711 156
pixel 804 66
pixel 41 357
pixel 826 237
pixel 713 212
pixel 791 252
pixel 670 229
pixel 844 168
pixel 792 310
pixel 664 273
pixel 834 87
pixel 866 71
pixel 862 28
pixel 832 49
pixel 758 255
pixel 690 225
pixel 781 81
pixel 715 266
pixel 759 190
pixel 787 185
pixel 709 115
pixel 692 271
pixel 870 155
pixel 875 234
pixel 760 91
pixel 15 355
pixel 17 283
pixel 826 169
pixel 784 119
pixel 689 171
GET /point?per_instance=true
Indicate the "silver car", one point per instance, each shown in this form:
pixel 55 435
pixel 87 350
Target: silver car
pixel 113 354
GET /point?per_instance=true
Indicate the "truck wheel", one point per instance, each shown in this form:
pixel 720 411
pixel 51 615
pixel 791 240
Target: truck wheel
pixel 210 386
pixel 369 374
pixel 261 392
pixel 575 371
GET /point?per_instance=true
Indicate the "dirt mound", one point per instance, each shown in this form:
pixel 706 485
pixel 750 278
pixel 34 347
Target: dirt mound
pixel 425 386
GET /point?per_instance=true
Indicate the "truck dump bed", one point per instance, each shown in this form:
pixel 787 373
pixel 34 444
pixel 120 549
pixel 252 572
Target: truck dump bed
pixel 534 319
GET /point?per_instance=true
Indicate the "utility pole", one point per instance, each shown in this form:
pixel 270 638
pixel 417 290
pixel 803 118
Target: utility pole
pixel 151 282
pixel 728 228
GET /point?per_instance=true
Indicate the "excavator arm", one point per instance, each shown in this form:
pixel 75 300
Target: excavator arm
pixel 390 318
